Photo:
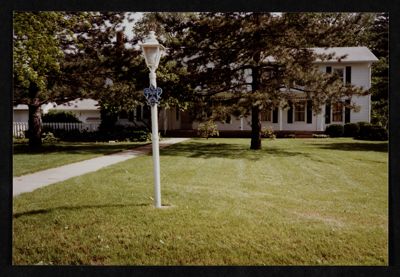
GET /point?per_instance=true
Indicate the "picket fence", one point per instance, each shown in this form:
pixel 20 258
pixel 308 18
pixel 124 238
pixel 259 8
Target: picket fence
pixel 19 128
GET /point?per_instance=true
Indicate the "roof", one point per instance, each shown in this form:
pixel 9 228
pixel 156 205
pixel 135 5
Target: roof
pixel 78 104
pixel 354 54
pixel 21 107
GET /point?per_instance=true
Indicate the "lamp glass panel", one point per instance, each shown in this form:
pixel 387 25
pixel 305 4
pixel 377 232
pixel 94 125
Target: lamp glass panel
pixel 151 55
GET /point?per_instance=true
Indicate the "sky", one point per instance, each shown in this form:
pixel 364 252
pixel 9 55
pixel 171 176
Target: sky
pixel 128 25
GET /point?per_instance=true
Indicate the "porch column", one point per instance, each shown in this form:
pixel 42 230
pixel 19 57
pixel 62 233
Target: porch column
pixel 322 116
pixel 241 123
pixel 165 121
pixel 280 119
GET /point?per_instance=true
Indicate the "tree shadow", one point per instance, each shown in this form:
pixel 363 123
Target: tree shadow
pixel 73 148
pixel 194 149
pixel 75 208
pixel 355 146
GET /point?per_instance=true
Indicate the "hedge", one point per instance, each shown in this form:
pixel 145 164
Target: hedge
pixel 351 130
pixel 125 134
pixel 335 130
pixel 372 132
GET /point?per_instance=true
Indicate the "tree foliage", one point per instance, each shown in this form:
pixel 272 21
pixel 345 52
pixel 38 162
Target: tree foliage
pixel 38 39
pixel 216 63
pixel 243 63
pixel 379 44
pixel 60 56
pixel 60 116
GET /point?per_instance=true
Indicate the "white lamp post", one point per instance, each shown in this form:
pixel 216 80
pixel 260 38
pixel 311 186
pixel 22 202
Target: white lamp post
pixel 152 52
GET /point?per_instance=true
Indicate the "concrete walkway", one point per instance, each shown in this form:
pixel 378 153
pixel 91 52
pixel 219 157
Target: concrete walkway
pixel 30 182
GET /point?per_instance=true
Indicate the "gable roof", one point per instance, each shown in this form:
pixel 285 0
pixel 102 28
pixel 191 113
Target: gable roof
pixel 77 104
pixel 354 54
pixel 21 107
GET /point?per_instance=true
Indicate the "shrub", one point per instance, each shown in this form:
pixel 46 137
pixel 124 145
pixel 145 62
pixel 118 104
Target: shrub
pixel 319 136
pixel 49 138
pixel 351 129
pixel 60 116
pixel 372 132
pixel 363 123
pixel 335 130
pixel 268 133
pixel 117 134
pixel 207 129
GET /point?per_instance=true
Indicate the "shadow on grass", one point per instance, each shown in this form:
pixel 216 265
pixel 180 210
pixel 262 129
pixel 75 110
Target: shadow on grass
pixel 81 207
pixel 75 148
pixel 195 149
pixel 355 146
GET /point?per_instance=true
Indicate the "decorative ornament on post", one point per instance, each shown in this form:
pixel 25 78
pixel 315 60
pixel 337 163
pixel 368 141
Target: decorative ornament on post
pixel 152 51
pixel 153 95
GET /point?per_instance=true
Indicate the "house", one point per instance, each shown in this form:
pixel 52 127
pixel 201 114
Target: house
pixel 86 110
pixel 354 68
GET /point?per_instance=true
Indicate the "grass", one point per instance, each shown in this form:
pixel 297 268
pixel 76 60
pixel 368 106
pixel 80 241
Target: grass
pixel 26 161
pixel 295 202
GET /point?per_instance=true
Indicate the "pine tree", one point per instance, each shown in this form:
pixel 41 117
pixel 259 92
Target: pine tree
pixel 379 44
pixel 243 63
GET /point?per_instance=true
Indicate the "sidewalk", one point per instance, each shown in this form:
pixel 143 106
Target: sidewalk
pixel 30 182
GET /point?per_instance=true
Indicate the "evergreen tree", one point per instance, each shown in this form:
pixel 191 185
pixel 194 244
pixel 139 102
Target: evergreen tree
pixel 379 44
pixel 243 63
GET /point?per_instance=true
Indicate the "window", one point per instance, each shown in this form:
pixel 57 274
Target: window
pixel 228 119
pixel 266 115
pixel 300 111
pixel 339 72
pixel 177 112
pixel 337 112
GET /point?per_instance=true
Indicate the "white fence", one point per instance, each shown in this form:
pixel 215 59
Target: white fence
pixel 19 128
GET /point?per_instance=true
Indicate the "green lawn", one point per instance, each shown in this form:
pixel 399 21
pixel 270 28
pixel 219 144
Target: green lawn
pixel 296 202
pixel 53 155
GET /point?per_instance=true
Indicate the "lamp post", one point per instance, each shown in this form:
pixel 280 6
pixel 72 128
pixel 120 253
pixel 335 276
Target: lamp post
pixel 152 53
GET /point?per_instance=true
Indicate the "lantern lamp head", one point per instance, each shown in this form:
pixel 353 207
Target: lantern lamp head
pixel 152 51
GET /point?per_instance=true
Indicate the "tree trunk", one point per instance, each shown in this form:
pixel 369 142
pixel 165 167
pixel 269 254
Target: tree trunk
pixel 255 128
pixel 35 125
pixel 255 110
pixel 255 85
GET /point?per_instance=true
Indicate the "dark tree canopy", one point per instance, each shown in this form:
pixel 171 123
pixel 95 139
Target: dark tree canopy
pixel 379 44
pixel 216 63
pixel 242 63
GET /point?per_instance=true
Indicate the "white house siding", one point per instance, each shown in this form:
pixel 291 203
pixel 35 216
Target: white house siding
pixel 361 77
pixel 364 113
pixel 173 122
pixel 88 116
pixel 167 119
pixel 234 124
pixel 21 116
